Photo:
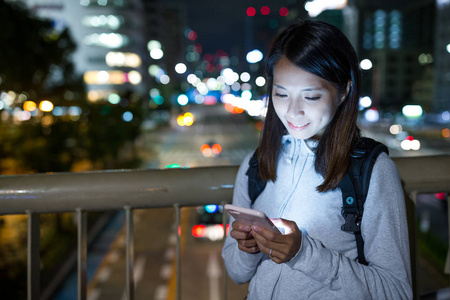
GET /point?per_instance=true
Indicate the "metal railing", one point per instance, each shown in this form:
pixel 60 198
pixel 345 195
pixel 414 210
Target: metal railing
pixel 136 189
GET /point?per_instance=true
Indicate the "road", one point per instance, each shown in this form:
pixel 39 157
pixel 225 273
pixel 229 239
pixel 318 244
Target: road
pixel 201 267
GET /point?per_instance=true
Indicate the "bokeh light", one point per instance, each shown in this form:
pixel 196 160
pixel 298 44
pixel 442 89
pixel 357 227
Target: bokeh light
pixel 265 10
pixel 46 106
pixel 251 11
pixel 284 11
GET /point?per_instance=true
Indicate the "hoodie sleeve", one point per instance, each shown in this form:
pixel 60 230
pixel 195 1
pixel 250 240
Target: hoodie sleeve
pixel 241 266
pixel 385 233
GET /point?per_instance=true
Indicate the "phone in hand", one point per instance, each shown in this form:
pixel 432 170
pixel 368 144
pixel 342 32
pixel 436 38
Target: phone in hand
pixel 251 217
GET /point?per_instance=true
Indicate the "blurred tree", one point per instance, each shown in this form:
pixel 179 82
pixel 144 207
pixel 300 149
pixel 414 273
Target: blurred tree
pixel 32 50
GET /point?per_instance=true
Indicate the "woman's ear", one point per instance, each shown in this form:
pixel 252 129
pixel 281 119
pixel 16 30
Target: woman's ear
pixel 347 91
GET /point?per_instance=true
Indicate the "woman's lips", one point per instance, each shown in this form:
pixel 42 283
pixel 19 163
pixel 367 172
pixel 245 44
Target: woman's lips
pixel 298 127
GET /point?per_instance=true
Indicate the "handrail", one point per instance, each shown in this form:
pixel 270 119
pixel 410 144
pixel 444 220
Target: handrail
pixel 135 189
pixel 109 190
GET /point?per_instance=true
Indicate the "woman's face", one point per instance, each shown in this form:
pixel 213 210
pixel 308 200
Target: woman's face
pixel 304 102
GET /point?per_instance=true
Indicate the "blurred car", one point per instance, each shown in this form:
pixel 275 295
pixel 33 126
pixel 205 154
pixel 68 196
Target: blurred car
pixel 211 149
pixel 209 223
pixel 410 143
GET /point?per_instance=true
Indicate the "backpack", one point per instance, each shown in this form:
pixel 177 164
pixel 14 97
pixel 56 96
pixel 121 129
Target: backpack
pixel 354 186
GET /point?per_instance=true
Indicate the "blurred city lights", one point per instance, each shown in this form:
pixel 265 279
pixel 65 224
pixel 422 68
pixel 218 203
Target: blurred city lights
pixel 199 231
pixel 212 208
pixel 159 100
pixel 246 95
pixel 47 120
pixel 46 106
pixel 412 111
pixel 211 150
pixel 186 119
pixel 236 86
pixel 107 40
pixel 154 92
pixel 372 115
pixel 425 59
pixel 448 48
pixel 446 133
pixel 199 99
pixel 113 98
pixel 180 68
pixel 202 88
pixel 156 53
pixel 366 64
pixel 173 166
pixel 245 77
pixel 112 77
pixel 315 7
pixel 193 79
pixel 192 35
pixel 284 11
pixel 74 110
pixel 134 77
pixel 153 44
pixel 212 84
pixel 265 10
pixel 410 144
pixel 237 105
pixel 365 102
pixel 260 81
pixel 246 86
pixel 254 56
pixel 445 116
pixel 182 99
pixel 229 76
pixel 164 79
pixel 395 129
pixel 251 11
pixel 121 59
pixel 29 106
pixel 127 116
pixel 155 71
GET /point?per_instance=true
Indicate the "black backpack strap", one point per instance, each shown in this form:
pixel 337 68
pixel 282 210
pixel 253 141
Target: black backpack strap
pixel 255 183
pixel 355 186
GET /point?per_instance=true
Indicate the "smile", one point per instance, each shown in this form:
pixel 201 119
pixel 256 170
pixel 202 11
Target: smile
pixel 298 127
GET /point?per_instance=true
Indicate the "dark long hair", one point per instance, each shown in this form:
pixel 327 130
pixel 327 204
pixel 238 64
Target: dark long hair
pixel 323 50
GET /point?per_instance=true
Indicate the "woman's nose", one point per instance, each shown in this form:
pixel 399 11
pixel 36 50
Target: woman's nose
pixel 295 108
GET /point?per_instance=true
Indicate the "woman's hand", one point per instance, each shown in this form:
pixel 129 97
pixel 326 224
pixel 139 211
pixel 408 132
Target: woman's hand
pixel 280 248
pixel 241 233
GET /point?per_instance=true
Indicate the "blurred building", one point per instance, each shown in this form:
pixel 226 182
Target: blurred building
pixel 399 42
pixel 111 48
pixel 398 38
pixel 442 56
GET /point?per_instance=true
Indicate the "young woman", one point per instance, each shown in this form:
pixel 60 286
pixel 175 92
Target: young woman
pixel 304 152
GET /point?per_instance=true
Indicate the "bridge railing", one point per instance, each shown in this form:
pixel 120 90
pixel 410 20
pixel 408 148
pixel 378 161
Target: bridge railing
pixel 140 189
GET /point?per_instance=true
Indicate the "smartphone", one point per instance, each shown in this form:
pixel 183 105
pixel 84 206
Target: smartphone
pixel 251 217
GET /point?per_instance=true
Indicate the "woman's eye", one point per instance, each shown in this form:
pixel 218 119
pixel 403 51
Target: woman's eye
pixel 280 95
pixel 312 98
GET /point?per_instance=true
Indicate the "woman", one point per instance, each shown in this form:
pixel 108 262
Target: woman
pixel 304 152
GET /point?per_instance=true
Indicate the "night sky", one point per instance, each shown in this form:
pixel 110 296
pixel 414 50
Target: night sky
pixel 221 24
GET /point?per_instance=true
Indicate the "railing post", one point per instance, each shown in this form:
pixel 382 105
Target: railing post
pixel 411 204
pixel 447 260
pixel 224 272
pixel 82 253
pixel 33 257
pixel 130 252
pixel 178 249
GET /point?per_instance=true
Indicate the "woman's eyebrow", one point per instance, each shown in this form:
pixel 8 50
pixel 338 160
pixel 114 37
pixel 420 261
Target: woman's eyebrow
pixel 279 86
pixel 308 89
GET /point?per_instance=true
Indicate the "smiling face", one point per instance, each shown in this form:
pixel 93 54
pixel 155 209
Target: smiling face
pixel 304 102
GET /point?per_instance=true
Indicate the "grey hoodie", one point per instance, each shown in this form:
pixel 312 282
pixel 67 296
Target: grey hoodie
pixel 325 267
